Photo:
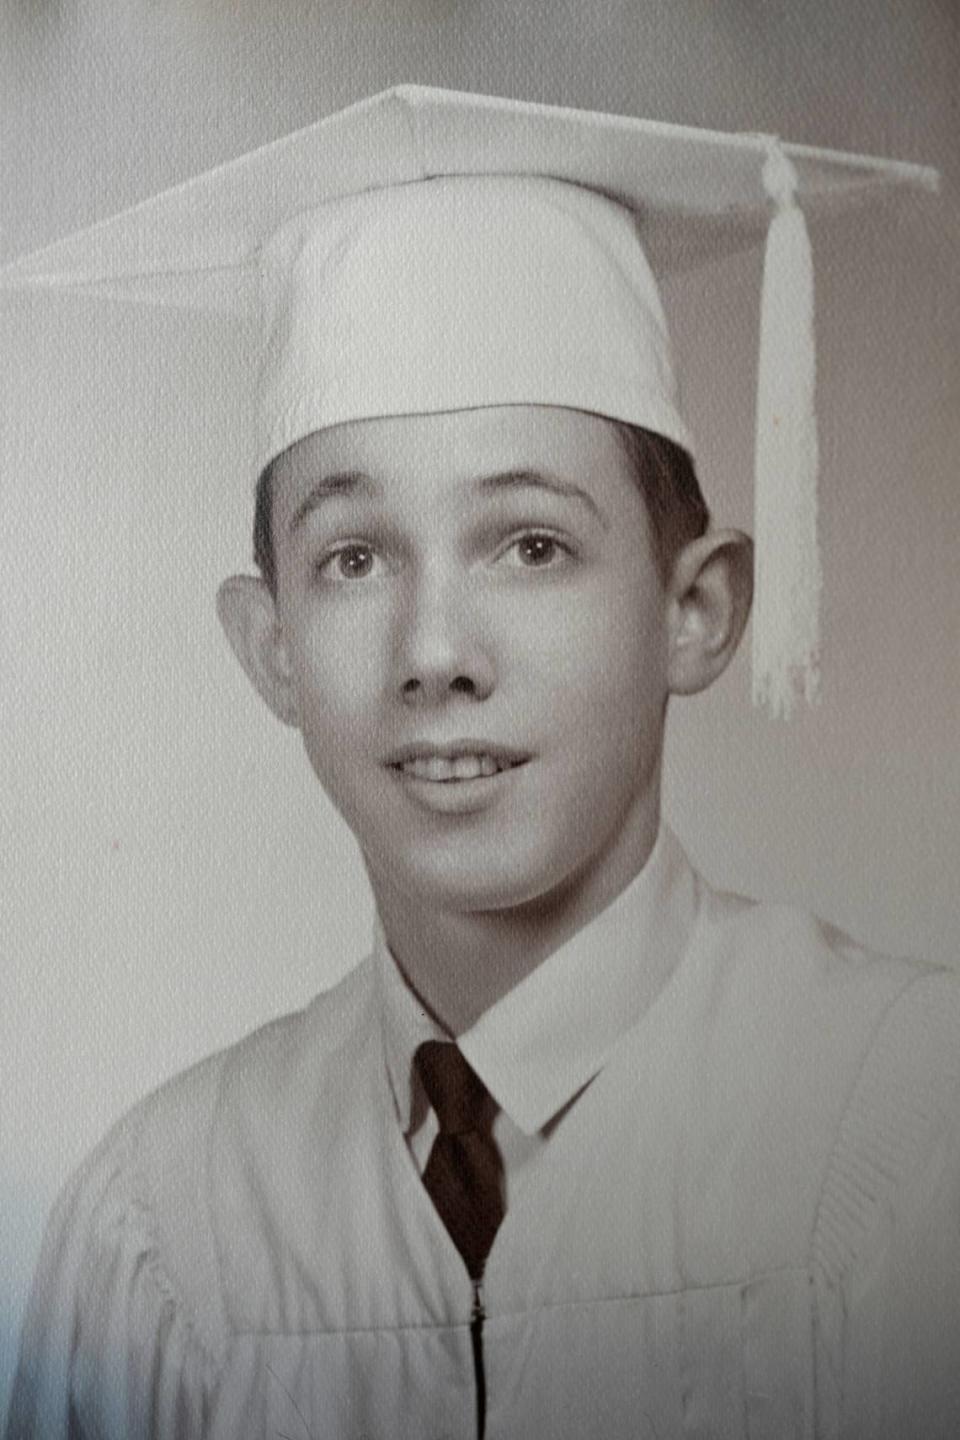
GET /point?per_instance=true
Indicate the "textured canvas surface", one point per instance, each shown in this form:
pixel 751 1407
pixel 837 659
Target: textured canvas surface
pixel 170 874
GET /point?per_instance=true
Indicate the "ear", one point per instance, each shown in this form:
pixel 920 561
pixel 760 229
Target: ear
pixel 709 599
pixel 248 614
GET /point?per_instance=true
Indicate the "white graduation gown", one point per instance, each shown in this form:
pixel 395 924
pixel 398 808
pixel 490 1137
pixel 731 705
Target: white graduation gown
pixel 746 1224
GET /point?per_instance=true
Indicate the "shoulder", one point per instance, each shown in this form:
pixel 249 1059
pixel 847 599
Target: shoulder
pixel 785 947
pixel 154 1195
pixel 816 1061
pixel 170 1127
pixel 262 1065
pixel 780 972
pixel 808 995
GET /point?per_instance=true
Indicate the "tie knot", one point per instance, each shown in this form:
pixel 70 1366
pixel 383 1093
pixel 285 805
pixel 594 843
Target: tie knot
pixel 459 1097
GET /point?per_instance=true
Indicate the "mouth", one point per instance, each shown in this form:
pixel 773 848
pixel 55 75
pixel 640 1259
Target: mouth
pixel 456 763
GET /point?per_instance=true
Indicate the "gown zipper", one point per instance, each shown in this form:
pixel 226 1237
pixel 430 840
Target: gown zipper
pixel 477 1317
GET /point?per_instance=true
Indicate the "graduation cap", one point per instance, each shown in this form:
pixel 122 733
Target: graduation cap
pixel 426 251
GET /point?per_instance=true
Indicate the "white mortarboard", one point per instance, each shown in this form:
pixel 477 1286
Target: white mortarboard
pixel 425 251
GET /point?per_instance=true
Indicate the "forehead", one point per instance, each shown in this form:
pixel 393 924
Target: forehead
pixel 443 452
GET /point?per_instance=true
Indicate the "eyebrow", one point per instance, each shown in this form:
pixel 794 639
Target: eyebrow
pixel 346 482
pixel 539 480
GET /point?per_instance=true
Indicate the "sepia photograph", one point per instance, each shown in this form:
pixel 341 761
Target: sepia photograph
pixel 480 713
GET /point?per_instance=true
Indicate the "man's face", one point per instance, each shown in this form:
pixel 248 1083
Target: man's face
pixel 475 628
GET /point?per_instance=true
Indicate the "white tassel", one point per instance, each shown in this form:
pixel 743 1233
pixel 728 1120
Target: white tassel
pixel 786 632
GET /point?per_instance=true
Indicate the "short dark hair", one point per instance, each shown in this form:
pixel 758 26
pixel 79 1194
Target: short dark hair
pixel 664 473
pixel 667 479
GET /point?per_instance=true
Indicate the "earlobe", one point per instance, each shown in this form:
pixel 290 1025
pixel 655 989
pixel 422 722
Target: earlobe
pixel 709 603
pixel 248 613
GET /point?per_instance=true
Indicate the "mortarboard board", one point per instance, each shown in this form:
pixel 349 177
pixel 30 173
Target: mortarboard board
pixel 425 250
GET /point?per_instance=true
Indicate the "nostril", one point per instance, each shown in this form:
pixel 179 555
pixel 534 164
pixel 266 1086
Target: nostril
pixel 430 689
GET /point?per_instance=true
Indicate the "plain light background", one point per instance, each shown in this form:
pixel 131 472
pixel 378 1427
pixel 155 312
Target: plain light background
pixel 170 875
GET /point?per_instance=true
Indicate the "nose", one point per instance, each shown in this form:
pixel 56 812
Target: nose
pixel 441 648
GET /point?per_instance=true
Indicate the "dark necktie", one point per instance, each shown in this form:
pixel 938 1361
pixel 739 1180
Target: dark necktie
pixel 464 1174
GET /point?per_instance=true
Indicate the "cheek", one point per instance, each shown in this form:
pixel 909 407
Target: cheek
pixel 339 686
pixel 607 655
pixel 338 669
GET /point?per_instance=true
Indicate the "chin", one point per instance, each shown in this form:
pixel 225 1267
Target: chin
pixel 471 878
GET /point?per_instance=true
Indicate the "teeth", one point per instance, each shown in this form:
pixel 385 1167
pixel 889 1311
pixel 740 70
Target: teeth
pixel 463 767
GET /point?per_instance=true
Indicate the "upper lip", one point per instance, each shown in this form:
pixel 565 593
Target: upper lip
pixel 453 749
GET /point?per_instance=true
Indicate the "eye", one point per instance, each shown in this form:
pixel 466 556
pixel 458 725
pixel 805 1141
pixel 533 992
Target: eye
pixel 537 551
pixel 348 562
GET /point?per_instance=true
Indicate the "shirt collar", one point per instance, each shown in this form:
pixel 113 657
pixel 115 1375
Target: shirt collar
pixel 406 1025
pixel 538 1046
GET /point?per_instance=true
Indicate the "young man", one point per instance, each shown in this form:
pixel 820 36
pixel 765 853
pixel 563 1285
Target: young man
pixel 583 1148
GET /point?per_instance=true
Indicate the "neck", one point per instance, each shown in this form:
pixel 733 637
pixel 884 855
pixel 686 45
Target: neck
pixel 460 962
